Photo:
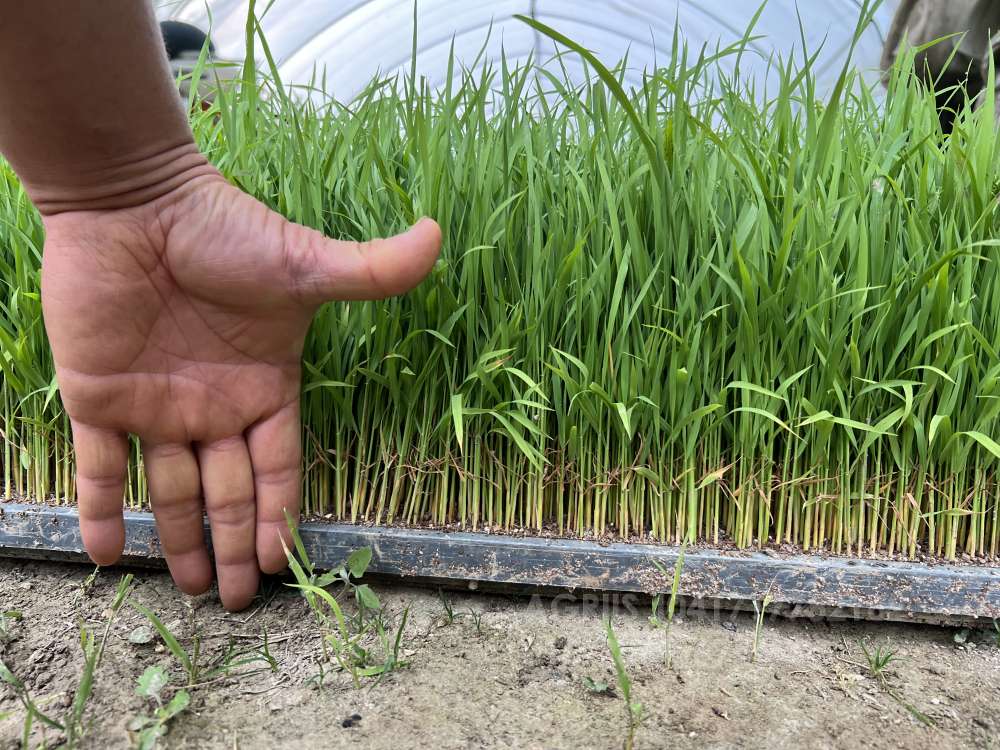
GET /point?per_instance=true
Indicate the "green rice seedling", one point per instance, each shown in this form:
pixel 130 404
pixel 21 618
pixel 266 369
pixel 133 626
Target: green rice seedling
pixel 693 309
pixel 633 709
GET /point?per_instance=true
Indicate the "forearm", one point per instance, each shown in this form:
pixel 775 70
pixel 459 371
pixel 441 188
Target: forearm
pixel 89 114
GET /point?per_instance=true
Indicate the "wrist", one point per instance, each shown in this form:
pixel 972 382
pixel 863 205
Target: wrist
pixel 121 181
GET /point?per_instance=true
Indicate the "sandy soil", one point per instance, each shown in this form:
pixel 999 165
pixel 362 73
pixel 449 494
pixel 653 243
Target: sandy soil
pixel 505 672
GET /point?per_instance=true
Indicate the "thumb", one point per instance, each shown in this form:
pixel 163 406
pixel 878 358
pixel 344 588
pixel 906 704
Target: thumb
pixel 324 270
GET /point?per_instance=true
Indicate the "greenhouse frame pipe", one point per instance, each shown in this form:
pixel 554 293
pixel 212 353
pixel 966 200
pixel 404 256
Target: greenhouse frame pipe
pixel 851 587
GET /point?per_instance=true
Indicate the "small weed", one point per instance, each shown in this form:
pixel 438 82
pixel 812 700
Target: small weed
pixel 758 630
pixel 996 633
pixel 391 660
pixel 8 620
pixel 93 653
pixel 87 584
pixel 148 730
pixel 140 636
pixel 450 615
pixel 597 687
pixel 198 671
pixel 318 680
pixel 265 653
pixel 477 620
pixel 32 713
pixel 72 724
pixel 189 662
pixel 633 709
pixel 675 585
pixel 366 645
pixel 879 660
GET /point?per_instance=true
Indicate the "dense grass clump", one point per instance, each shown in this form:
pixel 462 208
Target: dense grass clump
pixel 693 310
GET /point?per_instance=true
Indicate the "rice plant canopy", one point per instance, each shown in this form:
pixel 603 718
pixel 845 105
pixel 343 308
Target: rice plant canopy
pixel 696 310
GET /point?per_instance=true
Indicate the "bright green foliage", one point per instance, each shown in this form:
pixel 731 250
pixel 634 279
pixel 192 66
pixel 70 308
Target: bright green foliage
pixel 717 313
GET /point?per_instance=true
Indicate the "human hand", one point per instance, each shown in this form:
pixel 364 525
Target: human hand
pixel 182 321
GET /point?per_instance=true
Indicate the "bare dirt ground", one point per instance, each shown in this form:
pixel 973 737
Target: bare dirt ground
pixel 502 672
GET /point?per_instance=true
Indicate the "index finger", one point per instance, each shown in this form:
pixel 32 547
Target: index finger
pixel 101 460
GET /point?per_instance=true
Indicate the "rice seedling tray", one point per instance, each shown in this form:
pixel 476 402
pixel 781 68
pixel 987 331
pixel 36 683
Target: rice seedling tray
pixel 794 584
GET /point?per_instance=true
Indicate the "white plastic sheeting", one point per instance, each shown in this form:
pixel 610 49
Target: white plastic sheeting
pixel 353 40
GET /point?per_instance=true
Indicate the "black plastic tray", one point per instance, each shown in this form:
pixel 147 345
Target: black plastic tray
pixel 847 587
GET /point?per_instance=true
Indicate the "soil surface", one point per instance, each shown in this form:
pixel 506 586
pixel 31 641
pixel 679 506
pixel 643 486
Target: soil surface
pixel 499 671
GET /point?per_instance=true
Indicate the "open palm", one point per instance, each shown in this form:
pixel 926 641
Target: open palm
pixel 182 321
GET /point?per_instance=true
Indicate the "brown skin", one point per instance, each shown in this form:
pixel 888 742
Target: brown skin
pixel 176 305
